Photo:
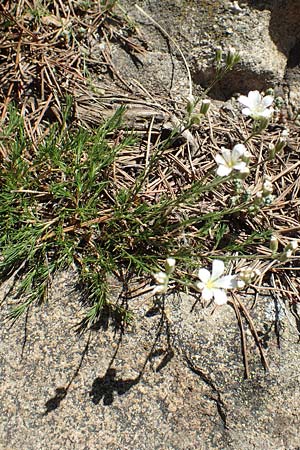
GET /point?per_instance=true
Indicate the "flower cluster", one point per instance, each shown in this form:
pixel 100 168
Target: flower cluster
pixel 162 278
pixel 246 276
pixel 213 285
pixel 265 196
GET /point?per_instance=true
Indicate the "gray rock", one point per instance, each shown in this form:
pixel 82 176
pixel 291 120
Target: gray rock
pixel 175 386
pixel 264 33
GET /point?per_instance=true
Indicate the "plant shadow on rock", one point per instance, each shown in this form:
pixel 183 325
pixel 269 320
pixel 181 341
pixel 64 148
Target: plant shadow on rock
pixel 106 387
pixel 61 392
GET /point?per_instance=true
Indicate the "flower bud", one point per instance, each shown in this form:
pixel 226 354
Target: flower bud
pixel 273 244
pixel 241 284
pixel 270 91
pixel 232 58
pixel 267 188
pixel 272 151
pixel 280 144
pixel 246 275
pixel 292 246
pixel 161 277
pixel 243 173
pixel 269 199
pixel 160 289
pixel 258 198
pixel 205 105
pixel 170 265
pixel 195 119
pixel 218 56
pixel 190 104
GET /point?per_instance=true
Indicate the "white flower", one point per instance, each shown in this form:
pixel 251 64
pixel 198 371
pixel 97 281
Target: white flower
pixel 213 285
pixel 231 160
pixel 267 188
pixel 257 107
pixel 243 173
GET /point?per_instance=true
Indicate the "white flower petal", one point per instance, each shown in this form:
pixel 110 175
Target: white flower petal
pixel 227 155
pixel 254 98
pixel 246 111
pixel 219 159
pixel 199 285
pixel 267 100
pixel 170 265
pixel 226 282
pixel 223 171
pixel 220 297
pixel 217 269
pixel 204 275
pixel 244 100
pixel 267 113
pixel 238 151
pixel 207 294
pixel 241 166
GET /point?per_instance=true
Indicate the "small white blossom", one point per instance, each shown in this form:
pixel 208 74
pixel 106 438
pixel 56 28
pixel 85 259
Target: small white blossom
pixel 267 188
pixel 191 101
pixel 231 160
pixel 257 106
pixel 213 285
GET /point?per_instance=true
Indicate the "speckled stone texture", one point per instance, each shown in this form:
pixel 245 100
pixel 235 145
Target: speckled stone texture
pixel 60 390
